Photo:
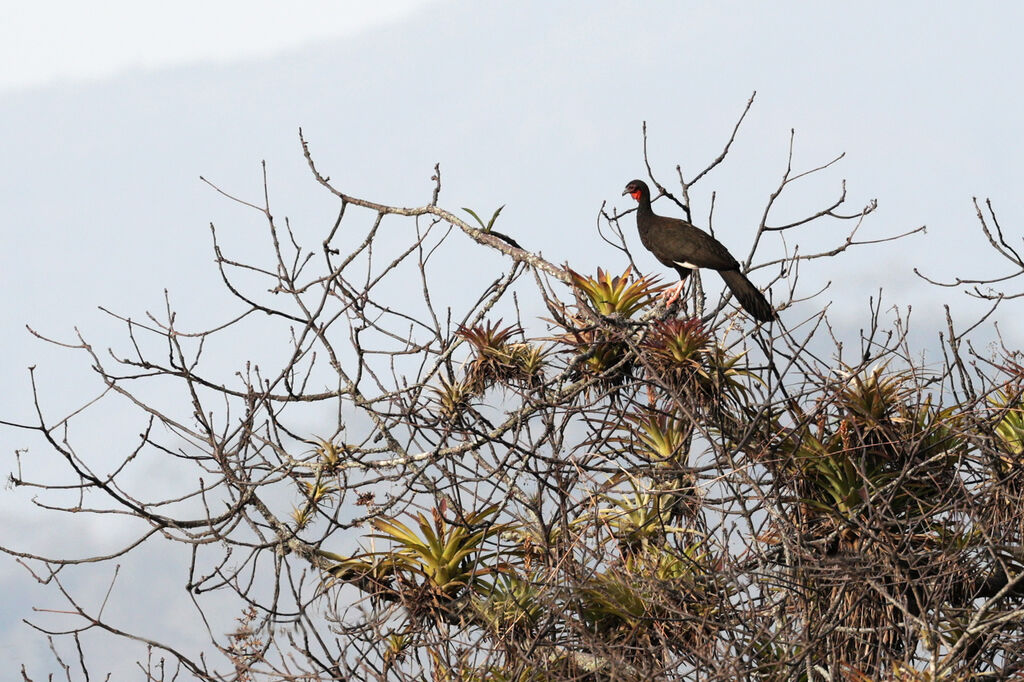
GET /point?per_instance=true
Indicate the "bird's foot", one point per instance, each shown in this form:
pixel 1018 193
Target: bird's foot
pixel 672 293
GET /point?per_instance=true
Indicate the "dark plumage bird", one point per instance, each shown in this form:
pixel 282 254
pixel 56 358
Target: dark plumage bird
pixel 683 247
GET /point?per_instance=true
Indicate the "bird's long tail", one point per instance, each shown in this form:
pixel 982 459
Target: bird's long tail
pixel 752 300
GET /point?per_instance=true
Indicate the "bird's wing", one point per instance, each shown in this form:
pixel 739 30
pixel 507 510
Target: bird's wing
pixel 677 242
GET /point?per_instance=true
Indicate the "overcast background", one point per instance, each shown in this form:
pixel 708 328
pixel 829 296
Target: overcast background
pixel 109 114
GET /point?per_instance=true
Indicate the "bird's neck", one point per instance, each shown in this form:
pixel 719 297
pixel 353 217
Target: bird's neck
pixel 643 207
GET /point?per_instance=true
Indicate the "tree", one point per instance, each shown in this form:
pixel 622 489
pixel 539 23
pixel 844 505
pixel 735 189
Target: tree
pixel 616 491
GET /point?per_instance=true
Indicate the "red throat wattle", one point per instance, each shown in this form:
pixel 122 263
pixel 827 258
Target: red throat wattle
pixel 636 195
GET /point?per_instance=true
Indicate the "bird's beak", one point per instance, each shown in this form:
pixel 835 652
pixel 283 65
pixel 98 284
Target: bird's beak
pixel 625 191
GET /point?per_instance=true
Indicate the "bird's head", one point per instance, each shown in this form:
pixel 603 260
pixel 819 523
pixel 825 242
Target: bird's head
pixel 636 189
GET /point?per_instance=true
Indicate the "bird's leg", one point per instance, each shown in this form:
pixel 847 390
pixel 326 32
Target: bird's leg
pixel 673 292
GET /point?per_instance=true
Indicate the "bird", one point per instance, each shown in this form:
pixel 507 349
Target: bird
pixel 685 247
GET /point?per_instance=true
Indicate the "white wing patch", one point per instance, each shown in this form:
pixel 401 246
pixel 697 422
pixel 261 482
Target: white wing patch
pixel 684 264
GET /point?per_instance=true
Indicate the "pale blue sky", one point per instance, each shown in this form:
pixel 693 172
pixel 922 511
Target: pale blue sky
pixel 58 42
pixel 108 117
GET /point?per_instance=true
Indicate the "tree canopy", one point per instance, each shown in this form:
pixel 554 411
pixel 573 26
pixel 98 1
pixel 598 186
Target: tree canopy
pixel 607 490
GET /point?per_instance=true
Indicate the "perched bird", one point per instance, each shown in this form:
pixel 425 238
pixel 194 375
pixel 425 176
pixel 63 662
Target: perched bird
pixel 683 247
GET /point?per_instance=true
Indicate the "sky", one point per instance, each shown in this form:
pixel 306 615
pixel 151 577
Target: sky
pixel 56 43
pixel 108 117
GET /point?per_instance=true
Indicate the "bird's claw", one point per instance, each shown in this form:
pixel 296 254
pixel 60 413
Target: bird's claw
pixel 671 295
